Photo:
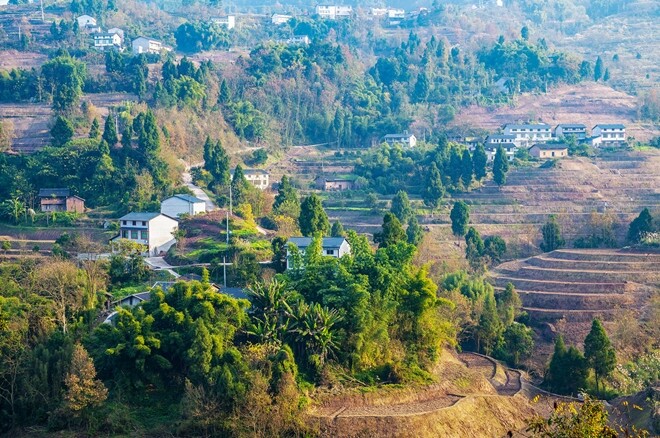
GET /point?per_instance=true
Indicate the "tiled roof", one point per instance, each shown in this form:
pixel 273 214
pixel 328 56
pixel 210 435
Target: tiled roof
pixel 58 193
pixel 188 198
pixel 139 216
pixel 610 126
pixel 328 242
pixel 550 146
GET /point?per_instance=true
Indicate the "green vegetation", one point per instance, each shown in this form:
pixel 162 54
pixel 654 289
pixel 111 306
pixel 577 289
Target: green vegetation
pixel 552 239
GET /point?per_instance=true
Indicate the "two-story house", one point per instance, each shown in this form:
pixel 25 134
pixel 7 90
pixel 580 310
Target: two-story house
pixel 529 133
pixel 107 41
pixel 227 21
pixel 333 12
pixel 405 139
pixel 178 205
pixel 258 177
pixel 609 134
pixel 86 22
pixel 154 230
pixel 148 45
pixel 54 200
pixel 565 130
pixel 332 247
pixel 278 19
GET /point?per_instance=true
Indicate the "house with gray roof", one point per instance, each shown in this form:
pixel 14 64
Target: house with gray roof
pixel 406 139
pixel 182 204
pixel 59 199
pixel 608 135
pixel 529 132
pixel 153 230
pixel 332 247
pixel 577 130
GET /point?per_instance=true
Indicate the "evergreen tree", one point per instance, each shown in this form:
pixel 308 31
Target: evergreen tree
pixel 414 232
pixel 224 96
pixel 508 304
pixel 216 162
pixel 455 169
pixel 95 129
pixel 434 190
pixel 586 71
pixel 489 328
pixel 474 249
pixel 460 218
pixel 479 161
pixel 337 230
pixel 606 76
pixel 422 87
pixel 519 342
pixel 83 389
pixel 598 69
pixel 466 169
pixel 494 248
pixel 401 206
pixel 524 33
pixel 62 131
pixel 312 218
pixel 110 131
pixel 286 200
pixel 127 139
pixel 567 372
pixel 392 232
pixel 500 166
pixel 640 226
pixel 239 186
pixel 599 352
pixel 552 239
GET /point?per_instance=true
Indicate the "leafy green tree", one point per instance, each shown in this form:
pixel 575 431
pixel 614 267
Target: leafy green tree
pixel 240 186
pixel 95 129
pixel 479 161
pixel 216 162
pixel 392 232
pixel 494 248
pixel 110 131
pixel 586 419
pixel 519 342
pixel 474 249
pixel 509 305
pixel 313 218
pixel 13 208
pixel 586 71
pixel 337 230
pixel 422 88
pixel 598 69
pixel 278 245
pixel 640 226
pixel 414 231
pixel 466 169
pixel 401 206
pixel 434 189
pixel 599 352
pixel 63 79
pixel 455 169
pixel 500 166
pixel 460 218
pixel 62 131
pixel 286 200
pixel 489 328
pixel 524 33
pixel 567 371
pixel 552 239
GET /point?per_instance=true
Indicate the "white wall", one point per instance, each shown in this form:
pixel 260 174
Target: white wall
pixel 161 237
pixel 175 207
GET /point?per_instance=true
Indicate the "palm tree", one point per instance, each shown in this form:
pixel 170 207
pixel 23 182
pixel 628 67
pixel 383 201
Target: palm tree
pixel 271 310
pixel 313 329
pixel 14 208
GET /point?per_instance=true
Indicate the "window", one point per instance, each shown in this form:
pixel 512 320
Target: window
pixel 134 223
pixel 329 252
pixel 144 224
pixel 123 222
pixel 145 235
pixel 124 234
pixel 553 153
pixel 134 234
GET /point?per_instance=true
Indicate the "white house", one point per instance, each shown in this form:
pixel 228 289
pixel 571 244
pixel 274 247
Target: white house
pixel 106 41
pixel 148 45
pixel 577 130
pixel 332 247
pixel 609 135
pixel 259 178
pixel 406 139
pixel 298 40
pixel 333 12
pixel 178 205
pixel 504 140
pixel 509 150
pixel 154 230
pixel 228 21
pixel 379 12
pixel 529 132
pixel 85 21
pixel 118 31
pixel 278 19
pixel 395 16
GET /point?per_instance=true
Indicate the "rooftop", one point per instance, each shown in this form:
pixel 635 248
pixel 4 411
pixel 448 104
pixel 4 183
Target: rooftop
pixel 572 125
pixel 188 198
pixel 610 126
pixel 57 193
pixel 254 172
pixel 139 216
pixel 328 242
pixel 501 137
pixel 528 126
pixel 550 146
pixel 404 135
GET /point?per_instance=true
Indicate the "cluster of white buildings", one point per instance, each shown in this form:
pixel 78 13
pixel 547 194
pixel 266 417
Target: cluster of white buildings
pixel 112 39
pixel 333 12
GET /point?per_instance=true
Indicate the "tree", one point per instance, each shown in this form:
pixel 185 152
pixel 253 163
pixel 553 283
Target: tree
pixel 286 200
pixel 509 305
pixel 479 161
pixel 434 190
pixel 474 248
pixel 83 389
pixel 401 206
pixel 569 420
pixel 337 230
pixel 599 352
pixel 494 248
pixel 422 87
pixel 500 166
pixel 640 226
pixel 62 131
pixel 489 328
pixel 392 232
pixel 240 186
pixel 61 282
pixel 313 218
pixel 13 208
pixel 552 239
pixel 110 131
pixel 414 231
pixel 586 71
pixel 455 169
pixel 95 129
pixel 598 69
pixel 606 75
pixel 63 80
pixel 519 342
pixel 466 169
pixel 524 33
pixel 460 218
pixel 216 162
pixel 567 371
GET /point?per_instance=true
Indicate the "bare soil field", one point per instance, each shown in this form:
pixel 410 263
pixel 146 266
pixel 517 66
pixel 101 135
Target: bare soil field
pixel 589 103
pixel 10 59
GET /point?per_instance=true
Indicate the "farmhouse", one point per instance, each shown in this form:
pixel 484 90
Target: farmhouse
pixel 118 31
pixel 406 139
pixel 395 16
pixel 86 21
pixel 491 151
pixel 107 41
pixel 609 135
pixel 503 140
pixel 259 178
pixel 148 45
pixel 529 133
pixel 278 19
pixel 332 247
pixel 298 40
pixel 60 200
pixel 228 21
pixel 154 230
pixel 546 151
pixel 333 12
pixel 334 184
pixel 577 130
pixel 179 205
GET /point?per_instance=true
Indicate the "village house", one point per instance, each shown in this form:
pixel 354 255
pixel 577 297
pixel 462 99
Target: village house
pixel 148 45
pixel 258 177
pixel 577 130
pixel 51 200
pixel 406 139
pixel 107 41
pixel 504 140
pixel 298 40
pixel 332 247
pixel 529 132
pixel 154 230
pixel 333 12
pixel 278 19
pixel 118 31
pixel 334 184
pixel 608 135
pixel 546 151
pixel 395 16
pixel 227 21
pixel 178 205
pixel 86 22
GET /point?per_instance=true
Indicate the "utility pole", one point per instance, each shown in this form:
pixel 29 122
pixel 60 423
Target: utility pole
pixel 43 17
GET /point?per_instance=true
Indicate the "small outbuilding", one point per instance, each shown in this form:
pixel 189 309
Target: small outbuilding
pixel 51 200
pixel 546 151
pixel 178 205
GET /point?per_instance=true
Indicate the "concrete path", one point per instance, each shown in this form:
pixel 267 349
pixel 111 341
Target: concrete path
pixel 159 264
pixel 186 176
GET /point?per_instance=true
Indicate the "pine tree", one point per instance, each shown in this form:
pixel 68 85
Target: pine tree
pixel 455 169
pixel 489 328
pixel 224 96
pixel 286 200
pixel 337 230
pixel 524 33
pixel 434 190
pixel 414 232
pixel 494 248
pixel 62 131
pixel 422 87
pixel 552 239
pixel 598 69
pixel 474 248
pixel 239 186
pixel 216 162
pixel 500 166
pixel 392 232
pixel 606 76
pixel 95 129
pixel 460 217
pixel 508 304
pixel 599 352
pixel 640 226
pixel 110 131
pixel 479 161
pixel 127 138
pixel 401 206
pixel 466 169
pixel 313 218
